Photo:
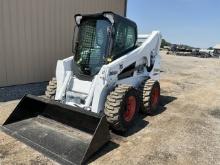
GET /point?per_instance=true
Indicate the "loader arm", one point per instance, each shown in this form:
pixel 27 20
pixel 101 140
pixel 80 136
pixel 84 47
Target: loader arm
pixel 141 55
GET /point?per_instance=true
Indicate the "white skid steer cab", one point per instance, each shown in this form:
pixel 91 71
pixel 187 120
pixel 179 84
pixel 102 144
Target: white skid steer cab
pixel 112 75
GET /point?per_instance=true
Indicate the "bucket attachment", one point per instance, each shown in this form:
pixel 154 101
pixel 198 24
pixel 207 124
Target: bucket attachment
pixel 69 135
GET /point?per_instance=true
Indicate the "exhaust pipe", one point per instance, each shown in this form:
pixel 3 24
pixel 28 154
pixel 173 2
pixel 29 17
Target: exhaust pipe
pixel 66 134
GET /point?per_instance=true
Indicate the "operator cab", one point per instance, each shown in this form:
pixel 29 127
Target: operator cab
pixel 101 39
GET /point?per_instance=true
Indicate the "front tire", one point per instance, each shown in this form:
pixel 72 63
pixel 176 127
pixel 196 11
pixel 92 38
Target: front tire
pixel 121 107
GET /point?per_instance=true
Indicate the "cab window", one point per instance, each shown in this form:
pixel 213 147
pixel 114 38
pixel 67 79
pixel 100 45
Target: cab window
pixel 125 38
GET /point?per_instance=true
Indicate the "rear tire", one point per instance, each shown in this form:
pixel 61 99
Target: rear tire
pixel 150 96
pixel 121 107
pixel 51 89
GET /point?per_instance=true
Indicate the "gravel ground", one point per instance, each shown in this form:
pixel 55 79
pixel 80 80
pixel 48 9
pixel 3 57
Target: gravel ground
pixel 18 91
pixel 185 130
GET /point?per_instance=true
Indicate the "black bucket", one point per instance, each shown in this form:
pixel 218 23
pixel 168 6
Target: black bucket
pixel 68 135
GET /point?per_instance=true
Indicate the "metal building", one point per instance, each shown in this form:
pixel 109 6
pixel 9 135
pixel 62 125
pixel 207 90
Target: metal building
pixel 217 50
pixel 35 33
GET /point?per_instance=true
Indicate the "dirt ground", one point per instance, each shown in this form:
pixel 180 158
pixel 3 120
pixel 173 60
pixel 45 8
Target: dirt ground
pixel 185 130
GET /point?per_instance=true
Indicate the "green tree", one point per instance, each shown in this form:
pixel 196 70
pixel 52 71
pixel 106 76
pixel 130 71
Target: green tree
pixel 165 43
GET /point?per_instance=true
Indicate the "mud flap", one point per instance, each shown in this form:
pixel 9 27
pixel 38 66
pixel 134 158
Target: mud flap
pixel 66 134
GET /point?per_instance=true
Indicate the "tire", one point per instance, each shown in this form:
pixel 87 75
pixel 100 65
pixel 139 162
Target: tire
pixel 150 96
pixel 51 89
pixel 121 107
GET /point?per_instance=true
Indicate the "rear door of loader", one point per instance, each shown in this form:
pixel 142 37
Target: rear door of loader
pixel 69 135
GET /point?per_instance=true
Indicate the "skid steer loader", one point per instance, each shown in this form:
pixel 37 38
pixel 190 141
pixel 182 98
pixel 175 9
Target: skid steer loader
pixel 112 75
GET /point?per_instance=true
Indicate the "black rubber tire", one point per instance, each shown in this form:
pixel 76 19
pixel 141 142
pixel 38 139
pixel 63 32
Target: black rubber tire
pixel 51 89
pixel 115 107
pixel 146 89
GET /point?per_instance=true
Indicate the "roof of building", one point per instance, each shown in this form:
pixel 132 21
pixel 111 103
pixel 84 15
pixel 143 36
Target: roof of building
pixel 217 46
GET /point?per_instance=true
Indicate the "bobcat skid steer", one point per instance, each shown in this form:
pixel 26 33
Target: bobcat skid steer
pixel 112 75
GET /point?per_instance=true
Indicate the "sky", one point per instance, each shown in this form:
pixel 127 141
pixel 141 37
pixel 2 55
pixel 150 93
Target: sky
pixel 192 22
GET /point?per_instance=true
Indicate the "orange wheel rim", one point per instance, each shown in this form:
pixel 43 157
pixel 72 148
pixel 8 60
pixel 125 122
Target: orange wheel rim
pixel 130 108
pixel 155 96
